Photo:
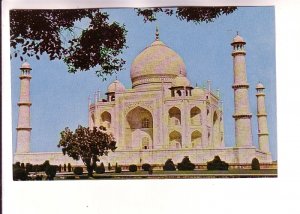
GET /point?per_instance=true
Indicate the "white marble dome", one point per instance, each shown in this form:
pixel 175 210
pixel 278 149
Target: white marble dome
pixel 155 62
pixel 116 86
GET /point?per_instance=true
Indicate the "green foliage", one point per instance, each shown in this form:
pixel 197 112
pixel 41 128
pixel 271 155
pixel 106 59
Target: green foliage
pixel 132 168
pixel 217 164
pixel 19 173
pixel 146 166
pixel 109 167
pixel 186 164
pixel 78 170
pixel 69 167
pixel 59 168
pixel 98 45
pixel 118 169
pixel 100 169
pixel 87 145
pixel 50 172
pixel 54 32
pixel 22 165
pixel 169 166
pixel 65 167
pixel 255 164
pixel 45 165
pixel 189 14
pixel 29 167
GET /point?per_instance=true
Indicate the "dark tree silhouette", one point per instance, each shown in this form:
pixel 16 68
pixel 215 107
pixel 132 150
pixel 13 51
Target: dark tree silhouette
pixel 98 45
pixel 87 145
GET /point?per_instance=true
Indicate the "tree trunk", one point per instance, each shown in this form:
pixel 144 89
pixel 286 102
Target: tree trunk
pixel 89 167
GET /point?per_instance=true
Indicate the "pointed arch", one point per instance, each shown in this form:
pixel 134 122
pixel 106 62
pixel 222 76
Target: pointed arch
pixel 175 140
pixel 139 129
pixel 195 116
pixel 196 137
pixel 174 116
pixel 106 119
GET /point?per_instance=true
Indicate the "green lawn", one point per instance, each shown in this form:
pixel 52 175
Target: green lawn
pixel 234 173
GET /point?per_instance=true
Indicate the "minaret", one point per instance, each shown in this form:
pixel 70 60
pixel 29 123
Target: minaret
pixel 263 134
pixel 24 129
pixel 242 115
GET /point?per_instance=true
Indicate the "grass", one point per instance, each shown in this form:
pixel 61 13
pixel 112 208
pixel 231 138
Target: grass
pixel 233 173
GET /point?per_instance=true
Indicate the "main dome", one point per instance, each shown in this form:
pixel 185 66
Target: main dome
pixel 155 64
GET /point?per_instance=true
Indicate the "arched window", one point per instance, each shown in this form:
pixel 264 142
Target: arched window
pixel 106 119
pixel 195 116
pixel 145 143
pixel 175 140
pixel 174 116
pixel 145 123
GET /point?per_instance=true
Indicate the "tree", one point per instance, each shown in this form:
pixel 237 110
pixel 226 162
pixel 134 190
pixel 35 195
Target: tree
pixel 186 164
pixel 169 165
pixel 86 144
pixel 193 14
pixel 50 171
pixel 217 164
pixel 99 45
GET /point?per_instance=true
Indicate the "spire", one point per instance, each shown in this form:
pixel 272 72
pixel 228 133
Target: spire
pixel 157 33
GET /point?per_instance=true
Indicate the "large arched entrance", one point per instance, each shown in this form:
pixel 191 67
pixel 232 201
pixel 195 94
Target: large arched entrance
pixel 139 129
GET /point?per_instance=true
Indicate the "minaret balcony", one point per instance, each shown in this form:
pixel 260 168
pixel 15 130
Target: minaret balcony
pixel 238 116
pixel 236 86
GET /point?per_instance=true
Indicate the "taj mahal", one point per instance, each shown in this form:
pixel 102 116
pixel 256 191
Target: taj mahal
pixel 163 115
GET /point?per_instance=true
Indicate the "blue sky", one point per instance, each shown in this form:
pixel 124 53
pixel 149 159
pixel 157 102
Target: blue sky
pixel 60 99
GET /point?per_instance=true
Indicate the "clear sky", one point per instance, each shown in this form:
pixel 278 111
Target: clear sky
pixel 60 99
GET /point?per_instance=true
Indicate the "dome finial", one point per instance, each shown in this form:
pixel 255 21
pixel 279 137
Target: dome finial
pixel 157 33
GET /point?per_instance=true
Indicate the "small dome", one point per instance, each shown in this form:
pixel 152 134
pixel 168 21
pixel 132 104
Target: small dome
pixel 260 86
pixel 116 86
pixel 238 39
pixel 180 81
pixel 25 65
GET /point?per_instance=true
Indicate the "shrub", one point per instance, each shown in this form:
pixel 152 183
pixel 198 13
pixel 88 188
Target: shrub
pixel 29 167
pixel 217 164
pixel 19 174
pixel 78 170
pixel 39 178
pixel 17 164
pixel 118 169
pixel 255 164
pixel 44 165
pixel 100 169
pixel 22 165
pixel 50 172
pixel 169 165
pixel 109 167
pixel 36 168
pixel 186 164
pixel 59 168
pixel 146 166
pixel 69 167
pixel 132 168
pixel 65 167
pixel 150 170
